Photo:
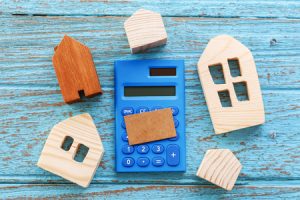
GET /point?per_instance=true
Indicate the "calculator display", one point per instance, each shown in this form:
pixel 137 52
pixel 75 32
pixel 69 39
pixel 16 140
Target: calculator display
pixel 162 71
pixel 139 91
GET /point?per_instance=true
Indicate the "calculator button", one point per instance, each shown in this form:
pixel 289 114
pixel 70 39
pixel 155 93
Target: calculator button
pixel 127 162
pixel 142 109
pixel 174 138
pixel 127 149
pixel 127 111
pixel 173 155
pixel 158 161
pixel 124 137
pixel 176 123
pixel 143 149
pixel 175 110
pixel 143 162
pixel 158 148
pixel 156 108
pixel 123 125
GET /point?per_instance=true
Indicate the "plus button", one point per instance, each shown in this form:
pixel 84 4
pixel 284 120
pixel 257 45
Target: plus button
pixel 173 155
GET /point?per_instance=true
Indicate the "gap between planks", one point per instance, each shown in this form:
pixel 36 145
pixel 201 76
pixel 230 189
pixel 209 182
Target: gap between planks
pixel 192 180
pixel 116 15
pixel 54 87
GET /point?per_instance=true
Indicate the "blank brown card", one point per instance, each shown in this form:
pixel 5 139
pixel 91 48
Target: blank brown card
pixel 150 126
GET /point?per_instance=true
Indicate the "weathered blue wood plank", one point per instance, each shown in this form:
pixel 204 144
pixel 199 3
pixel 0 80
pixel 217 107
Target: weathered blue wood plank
pixel 27 45
pixel 253 190
pixel 30 101
pixel 215 8
pixel 270 151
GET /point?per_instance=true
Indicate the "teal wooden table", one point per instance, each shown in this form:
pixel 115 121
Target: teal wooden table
pixel 31 102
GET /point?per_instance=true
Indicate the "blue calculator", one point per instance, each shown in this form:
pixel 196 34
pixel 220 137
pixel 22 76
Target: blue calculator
pixel 145 86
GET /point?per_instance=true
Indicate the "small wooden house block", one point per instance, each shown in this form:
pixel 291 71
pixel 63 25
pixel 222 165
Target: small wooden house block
pixel 75 70
pixel 220 167
pixel 83 132
pixel 222 51
pixel 145 29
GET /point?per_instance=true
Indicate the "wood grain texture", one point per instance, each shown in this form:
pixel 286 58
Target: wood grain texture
pixel 57 160
pixel 145 29
pixel 150 126
pixel 75 70
pixel 240 114
pixel 221 167
pixel 29 86
pixel 195 8
pixel 253 190
pixel 265 151
pixel 30 94
pixel 27 61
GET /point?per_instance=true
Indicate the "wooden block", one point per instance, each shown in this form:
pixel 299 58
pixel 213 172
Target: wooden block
pixel 55 159
pixel 220 167
pixel 75 70
pixel 150 126
pixel 219 51
pixel 145 29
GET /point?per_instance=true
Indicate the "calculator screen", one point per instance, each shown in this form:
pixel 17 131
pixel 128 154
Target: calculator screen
pixel 162 71
pixel 139 91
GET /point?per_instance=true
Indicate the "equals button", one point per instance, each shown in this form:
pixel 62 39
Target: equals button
pixel 158 161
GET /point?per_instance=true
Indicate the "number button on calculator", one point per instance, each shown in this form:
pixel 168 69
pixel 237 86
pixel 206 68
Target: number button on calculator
pixel 128 162
pixel 127 149
pixel 143 149
pixel 157 148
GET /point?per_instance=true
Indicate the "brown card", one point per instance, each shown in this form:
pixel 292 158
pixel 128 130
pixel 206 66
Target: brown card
pixel 150 126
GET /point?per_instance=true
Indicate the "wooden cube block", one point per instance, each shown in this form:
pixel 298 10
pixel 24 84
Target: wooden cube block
pixel 220 167
pixel 240 113
pixel 145 29
pixel 150 126
pixel 61 162
pixel 75 70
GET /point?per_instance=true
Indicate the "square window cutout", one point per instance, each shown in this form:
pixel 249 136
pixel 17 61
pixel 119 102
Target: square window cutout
pixel 234 67
pixel 225 98
pixel 67 143
pixel 81 153
pixel 241 91
pixel 217 74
